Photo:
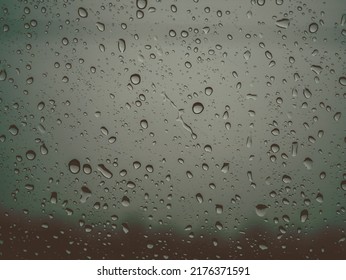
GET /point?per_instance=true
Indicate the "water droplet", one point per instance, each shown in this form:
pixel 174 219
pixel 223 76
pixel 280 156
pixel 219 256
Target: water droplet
pixel 131 185
pixel 342 81
pixel 43 149
pixel 104 131
pixel 319 197
pixel 197 108
pixel 144 124
pixel 135 79
pixel 261 2
pixel 307 93
pixel 13 130
pixel 283 23
pixel 74 166
pixel 286 179
pixel 261 210
pixel 225 167
pixel 313 27
pixel 3 75
pixel 104 171
pixel 87 168
pixel 208 91
pixel 85 194
pixel 308 163
pixel 218 209
pixel 29 80
pixel 125 201
pixel 30 155
pixel 100 26
pixel 53 198
pixel 199 198
pixel 337 116
pixel 141 4
pixel 82 12
pixel 121 45
pixel 149 168
pixel 247 55
pixel 304 215
pixel 218 225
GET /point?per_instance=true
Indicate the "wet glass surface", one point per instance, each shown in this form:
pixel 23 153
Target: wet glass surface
pixel 172 129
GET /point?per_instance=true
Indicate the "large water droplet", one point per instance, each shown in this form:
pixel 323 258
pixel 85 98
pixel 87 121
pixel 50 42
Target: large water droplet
pixel 82 12
pixel 342 81
pixel 135 79
pixel 74 166
pixel 304 215
pixel 261 210
pixel 104 171
pixel 313 27
pixel 283 23
pixel 100 26
pixel 197 108
pixel 141 4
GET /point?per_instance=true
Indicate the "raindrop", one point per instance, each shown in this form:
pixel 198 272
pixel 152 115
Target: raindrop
pixel 199 198
pixel 82 12
pixel 308 163
pixel 100 26
pixel 13 130
pixel 144 124
pixel 135 79
pixel 218 209
pixel 283 23
pixel 149 168
pixel 3 75
pixel 104 171
pixel 125 201
pixel 313 27
pixel 30 155
pixel 141 4
pixel 304 215
pixel 286 179
pixel 131 185
pixel 208 91
pixel 261 210
pixel 87 168
pixel 225 167
pixel 342 81
pixel 85 194
pixel 74 166
pixel 121 45
pixel 197 108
